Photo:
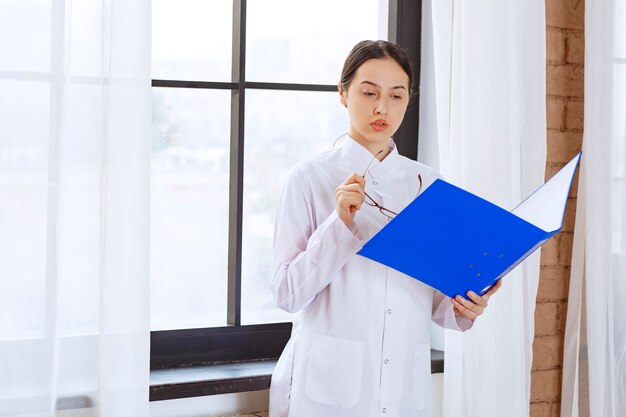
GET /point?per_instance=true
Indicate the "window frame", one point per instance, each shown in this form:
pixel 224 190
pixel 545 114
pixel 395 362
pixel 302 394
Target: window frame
pixel 236 342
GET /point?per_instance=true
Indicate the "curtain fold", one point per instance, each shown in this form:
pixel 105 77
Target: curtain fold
pixel 485 110
pixel 75 143
pixel 594 367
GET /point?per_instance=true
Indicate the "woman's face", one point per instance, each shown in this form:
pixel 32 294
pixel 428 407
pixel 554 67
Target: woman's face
pixel 376 100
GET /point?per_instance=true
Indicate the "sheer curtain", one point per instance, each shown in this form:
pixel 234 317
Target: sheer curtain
pixel 483 123
pixel 594 363
pixel 74 212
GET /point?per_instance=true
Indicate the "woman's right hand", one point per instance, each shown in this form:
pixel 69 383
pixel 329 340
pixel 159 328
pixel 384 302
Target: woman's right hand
pixel 350 196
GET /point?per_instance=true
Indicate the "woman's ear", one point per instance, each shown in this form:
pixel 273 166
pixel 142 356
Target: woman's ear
pixel 342 95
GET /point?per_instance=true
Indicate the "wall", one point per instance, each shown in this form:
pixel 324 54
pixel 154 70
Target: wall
pixel 564 102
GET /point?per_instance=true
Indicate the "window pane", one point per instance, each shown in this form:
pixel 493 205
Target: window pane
pixel 191 39
pixel 279 133
pixel 189 219
pixel 307 42
pixel 25 34
pixel 23 212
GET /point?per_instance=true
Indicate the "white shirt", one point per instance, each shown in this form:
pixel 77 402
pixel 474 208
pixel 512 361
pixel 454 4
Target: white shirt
pixel 361 345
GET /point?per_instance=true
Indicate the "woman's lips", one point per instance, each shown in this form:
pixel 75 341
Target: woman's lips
pixel 379 125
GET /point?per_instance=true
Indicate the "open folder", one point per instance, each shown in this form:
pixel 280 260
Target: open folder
pixel 455 241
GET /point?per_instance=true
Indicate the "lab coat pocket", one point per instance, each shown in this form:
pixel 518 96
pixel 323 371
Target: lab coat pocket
pixel 334 371
pixel 421 376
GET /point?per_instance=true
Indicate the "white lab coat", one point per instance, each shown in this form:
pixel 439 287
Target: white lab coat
pixel 361 344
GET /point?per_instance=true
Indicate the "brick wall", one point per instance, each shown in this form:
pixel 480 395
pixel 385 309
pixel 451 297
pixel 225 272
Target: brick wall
pixel 564 102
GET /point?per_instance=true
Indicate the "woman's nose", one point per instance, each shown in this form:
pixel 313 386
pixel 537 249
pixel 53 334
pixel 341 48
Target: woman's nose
pixel 381 107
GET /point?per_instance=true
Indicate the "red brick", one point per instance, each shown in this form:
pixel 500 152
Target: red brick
pixel 565 248
pixel 569 220
pixel 563 146
pixel 555 111
pixel 565 46
pixel 575 115
pixel 547 319
pixel 547 352
pixel 541 409
pixel 575 47
pixel 565 80
pixel 555 46
pixel 550 252
pixel 552 168
pixel 545 385
pixel 553 284
pixel 567 14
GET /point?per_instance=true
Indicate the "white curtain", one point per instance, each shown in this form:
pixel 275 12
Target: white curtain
pixel 483 123
pixel 74 207
pixel 594 363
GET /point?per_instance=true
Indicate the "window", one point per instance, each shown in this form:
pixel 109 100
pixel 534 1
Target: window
pixel 241 92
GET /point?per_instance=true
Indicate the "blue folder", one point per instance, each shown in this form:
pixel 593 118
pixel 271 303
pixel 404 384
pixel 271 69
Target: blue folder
pixel 455 241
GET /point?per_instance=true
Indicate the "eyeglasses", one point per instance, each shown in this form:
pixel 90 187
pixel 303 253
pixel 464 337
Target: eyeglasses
pixel 371 202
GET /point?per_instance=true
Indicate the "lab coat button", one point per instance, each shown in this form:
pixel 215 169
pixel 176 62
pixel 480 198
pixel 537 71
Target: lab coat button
pixel 374 182
pixel 389 311
pixel 384 410
pixel 386 361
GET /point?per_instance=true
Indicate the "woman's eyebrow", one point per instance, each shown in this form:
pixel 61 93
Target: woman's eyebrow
pixel 376 85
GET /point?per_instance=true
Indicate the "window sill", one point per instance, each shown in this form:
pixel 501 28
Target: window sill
pixel 197 381
pixel 201 380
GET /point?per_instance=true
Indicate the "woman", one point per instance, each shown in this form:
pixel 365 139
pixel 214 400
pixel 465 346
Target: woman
pixel 361 345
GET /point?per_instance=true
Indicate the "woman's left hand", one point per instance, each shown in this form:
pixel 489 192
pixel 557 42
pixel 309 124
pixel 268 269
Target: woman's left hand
pixel 475 307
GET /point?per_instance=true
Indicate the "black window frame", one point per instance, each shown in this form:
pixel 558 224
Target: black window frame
pixel 235 342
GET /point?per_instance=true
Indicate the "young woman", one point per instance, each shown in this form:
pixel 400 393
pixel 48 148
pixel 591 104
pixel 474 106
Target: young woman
pixel 361 344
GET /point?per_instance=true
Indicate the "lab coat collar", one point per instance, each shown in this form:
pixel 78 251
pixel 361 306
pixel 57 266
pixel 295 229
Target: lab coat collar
pixel 361 157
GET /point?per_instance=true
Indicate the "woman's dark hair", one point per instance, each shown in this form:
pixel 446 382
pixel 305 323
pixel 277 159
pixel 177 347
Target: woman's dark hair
pixel 365 50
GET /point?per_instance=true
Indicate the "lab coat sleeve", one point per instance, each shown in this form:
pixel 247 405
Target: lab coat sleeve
pixel 443 314
pixel 306 256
